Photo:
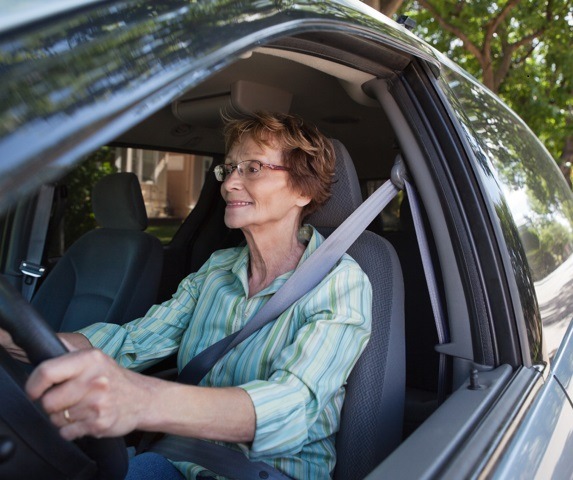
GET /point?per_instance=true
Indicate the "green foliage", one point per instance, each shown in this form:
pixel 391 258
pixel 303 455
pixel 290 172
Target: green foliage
pixel 79 217
pixel 519 48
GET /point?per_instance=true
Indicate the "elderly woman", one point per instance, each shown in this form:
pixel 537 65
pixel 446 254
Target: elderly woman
pixel 277 396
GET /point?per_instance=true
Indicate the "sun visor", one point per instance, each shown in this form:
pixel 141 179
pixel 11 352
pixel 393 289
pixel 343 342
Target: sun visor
pixel 243 97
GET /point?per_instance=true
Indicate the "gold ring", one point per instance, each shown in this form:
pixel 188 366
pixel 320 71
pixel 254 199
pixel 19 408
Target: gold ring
pixel 67 416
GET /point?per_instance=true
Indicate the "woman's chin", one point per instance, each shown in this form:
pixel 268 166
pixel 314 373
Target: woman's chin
pixel 234 223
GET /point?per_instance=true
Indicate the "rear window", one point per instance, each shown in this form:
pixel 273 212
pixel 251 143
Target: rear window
pixel 170 183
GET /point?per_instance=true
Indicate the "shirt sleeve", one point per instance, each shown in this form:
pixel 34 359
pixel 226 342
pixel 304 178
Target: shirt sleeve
pixel 143 342
pixel 307 383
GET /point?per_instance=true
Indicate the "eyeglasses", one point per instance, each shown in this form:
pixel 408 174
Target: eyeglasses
pixel 248 169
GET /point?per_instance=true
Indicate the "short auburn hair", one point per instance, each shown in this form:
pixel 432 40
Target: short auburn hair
pixel 307 153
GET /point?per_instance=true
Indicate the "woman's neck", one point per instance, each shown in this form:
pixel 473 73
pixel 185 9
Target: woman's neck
pixel 271 255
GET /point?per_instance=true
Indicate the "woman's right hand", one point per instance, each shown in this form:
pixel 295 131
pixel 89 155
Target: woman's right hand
pixel 5 338
pixel 14 350
pixel 72 341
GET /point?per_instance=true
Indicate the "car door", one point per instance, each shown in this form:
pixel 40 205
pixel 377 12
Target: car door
pixel 529 196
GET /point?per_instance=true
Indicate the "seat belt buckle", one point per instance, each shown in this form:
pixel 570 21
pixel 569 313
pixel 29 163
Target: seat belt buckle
pixel 32 269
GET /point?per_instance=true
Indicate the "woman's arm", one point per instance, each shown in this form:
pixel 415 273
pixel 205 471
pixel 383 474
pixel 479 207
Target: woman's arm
pixel 73 341
pixel 103 399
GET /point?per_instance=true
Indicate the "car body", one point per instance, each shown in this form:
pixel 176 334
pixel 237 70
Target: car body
pixel 154 75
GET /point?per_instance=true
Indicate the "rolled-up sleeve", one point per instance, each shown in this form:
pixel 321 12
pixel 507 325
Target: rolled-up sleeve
pixel 308 377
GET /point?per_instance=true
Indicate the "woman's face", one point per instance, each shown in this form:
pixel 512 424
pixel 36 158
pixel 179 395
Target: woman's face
pixel 264 202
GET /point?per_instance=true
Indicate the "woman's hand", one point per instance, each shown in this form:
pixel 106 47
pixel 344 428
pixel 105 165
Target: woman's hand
pixel 14 350
pixel 86 393
pixel 72 341
pixel 5 339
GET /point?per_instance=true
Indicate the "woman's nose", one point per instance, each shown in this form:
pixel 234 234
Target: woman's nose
pixel 233 180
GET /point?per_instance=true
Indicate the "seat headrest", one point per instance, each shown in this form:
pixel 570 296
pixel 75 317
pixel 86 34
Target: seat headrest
pixel 346 195
pixel 117 202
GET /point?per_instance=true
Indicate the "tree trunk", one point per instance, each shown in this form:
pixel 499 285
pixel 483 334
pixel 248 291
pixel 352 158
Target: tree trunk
pixel 566 160
pixel 387 7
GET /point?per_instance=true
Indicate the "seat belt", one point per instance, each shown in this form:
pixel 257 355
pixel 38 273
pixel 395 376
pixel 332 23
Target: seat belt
pixel 403 182
pixel 32 267
pixel 216 458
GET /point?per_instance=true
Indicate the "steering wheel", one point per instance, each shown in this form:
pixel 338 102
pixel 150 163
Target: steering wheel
pixel 29 442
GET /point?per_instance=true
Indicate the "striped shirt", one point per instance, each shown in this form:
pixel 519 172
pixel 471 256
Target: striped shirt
pixel 294 368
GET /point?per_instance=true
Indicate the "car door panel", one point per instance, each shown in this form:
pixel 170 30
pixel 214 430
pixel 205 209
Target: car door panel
pixel 444 433
pixel 546 430
pixel 562 366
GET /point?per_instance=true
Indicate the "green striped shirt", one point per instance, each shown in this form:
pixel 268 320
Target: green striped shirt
pixel 294 368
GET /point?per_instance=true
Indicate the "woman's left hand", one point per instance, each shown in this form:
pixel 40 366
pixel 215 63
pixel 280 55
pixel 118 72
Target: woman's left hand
pixel 86 393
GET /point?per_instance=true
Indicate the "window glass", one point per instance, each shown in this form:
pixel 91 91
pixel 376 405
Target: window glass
pixel 170 184
pixel 532 200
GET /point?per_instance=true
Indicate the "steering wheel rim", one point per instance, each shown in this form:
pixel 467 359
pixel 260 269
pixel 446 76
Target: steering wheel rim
pixel 31 332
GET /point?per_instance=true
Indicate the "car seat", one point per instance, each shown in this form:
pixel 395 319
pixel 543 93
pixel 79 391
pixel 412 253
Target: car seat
pixel 372 414
pixel 110 274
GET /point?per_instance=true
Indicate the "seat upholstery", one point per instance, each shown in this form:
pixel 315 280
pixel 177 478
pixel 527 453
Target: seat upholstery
pixel 110 274
pixel 372 415
pixel 201 233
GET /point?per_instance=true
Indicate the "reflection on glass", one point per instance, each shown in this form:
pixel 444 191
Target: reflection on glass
pixel 533 202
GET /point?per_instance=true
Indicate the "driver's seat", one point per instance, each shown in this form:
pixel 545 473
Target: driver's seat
pixel 373 410
pixel 110 274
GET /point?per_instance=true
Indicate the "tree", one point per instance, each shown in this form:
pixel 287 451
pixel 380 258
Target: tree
pixel 387 7
pixel 519 49
pixel 79 183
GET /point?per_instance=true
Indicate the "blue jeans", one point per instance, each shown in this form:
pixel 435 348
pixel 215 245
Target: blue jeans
pixel 152 466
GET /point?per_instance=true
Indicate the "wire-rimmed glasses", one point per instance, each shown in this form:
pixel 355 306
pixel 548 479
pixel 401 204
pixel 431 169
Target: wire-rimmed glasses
pixel 248 169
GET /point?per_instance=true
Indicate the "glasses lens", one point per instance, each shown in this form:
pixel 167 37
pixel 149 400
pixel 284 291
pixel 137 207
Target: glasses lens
pixel 250 168
pixel 219 173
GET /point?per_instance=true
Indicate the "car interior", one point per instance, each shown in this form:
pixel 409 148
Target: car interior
pixel 339 83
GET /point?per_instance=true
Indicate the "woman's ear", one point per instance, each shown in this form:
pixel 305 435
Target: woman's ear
pixel 303 200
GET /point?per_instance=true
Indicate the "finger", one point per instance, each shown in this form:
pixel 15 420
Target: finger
pixel 72 431
pixel 94 419
pixel 71 393
pixel 96 409
pixel 74 415
pixel 65 417
pixel 58 370
pixel 5 338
